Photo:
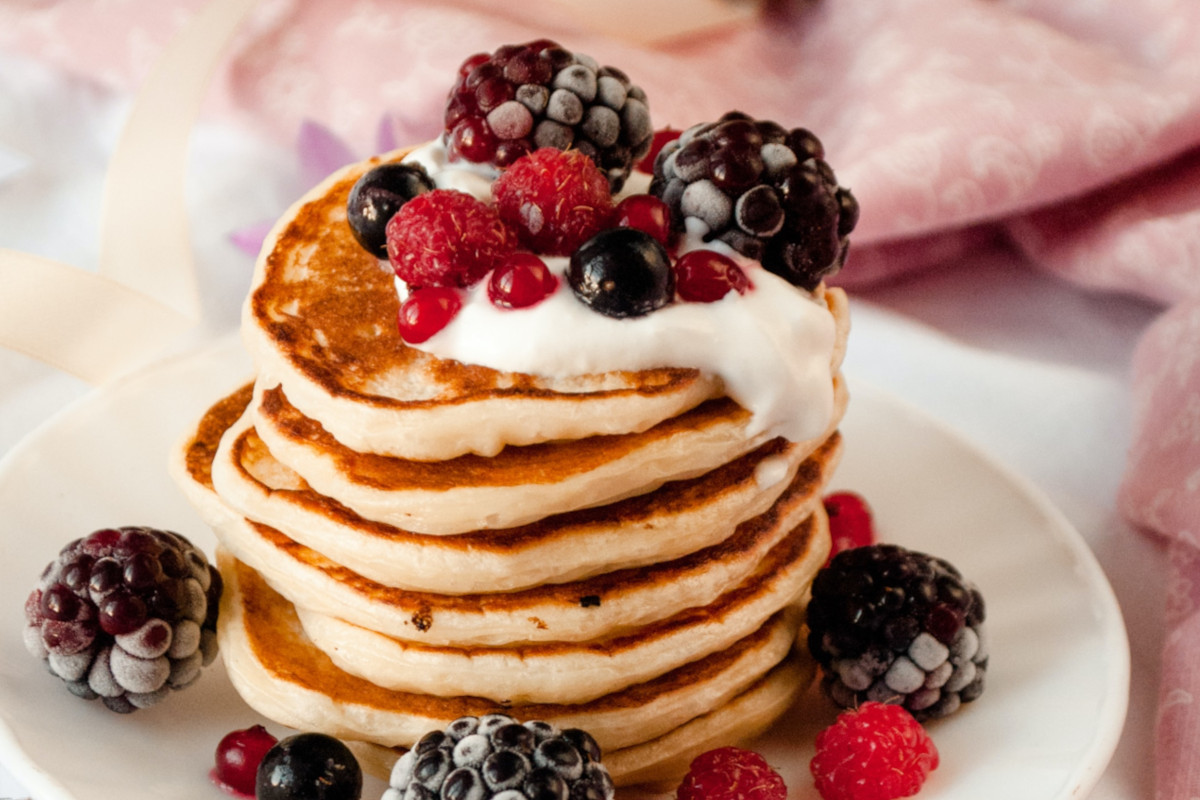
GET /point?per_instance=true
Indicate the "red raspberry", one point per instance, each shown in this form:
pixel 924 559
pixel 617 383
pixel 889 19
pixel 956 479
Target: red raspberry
pixel 446 238
pixel 850 523
pixel 427 311
pixel 876 752
pixel 731 773
pixel 556 200
pixel 521 280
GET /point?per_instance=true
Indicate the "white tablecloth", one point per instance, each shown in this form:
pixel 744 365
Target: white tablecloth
pixel 1029 368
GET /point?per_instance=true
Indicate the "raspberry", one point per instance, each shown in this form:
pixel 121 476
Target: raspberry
pixel 763 190
pixel 877 752
pixel 731 773
pixel 523 97
pixel 556 200
pixel 125 614
pixel 494 755
pixel 850 523
pixel 446 238
pixel 897 626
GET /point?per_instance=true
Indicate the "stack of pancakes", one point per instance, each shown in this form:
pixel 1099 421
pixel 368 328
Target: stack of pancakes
pixel 406 540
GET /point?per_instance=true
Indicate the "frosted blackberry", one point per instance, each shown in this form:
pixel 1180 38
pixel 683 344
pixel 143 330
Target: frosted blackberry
pixel 527 96
pixel 763 190
pixel 126 615
pixel 892 625
pixel 495 756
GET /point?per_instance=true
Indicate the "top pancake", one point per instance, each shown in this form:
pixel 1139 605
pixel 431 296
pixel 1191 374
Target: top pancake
pixel 320 320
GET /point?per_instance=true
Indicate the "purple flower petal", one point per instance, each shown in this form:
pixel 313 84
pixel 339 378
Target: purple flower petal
pixel 321 151
pixel 385 135
pixel 250 239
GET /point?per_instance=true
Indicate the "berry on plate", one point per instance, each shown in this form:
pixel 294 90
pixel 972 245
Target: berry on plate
pixel 555 200
pixel 897 626
pixel 763 190
pixel 850 522
pixel 237 758
pixel 524 97
pixel 731 773
pixel 494 756
pixel 125 614
pixel 308 766
pixel 446 238
pixel 874 752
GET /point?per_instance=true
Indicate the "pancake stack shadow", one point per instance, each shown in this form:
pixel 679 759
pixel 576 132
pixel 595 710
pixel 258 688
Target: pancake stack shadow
pixel 407 540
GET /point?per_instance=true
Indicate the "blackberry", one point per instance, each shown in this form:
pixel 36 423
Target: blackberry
pixel 524 97
pixel 761 189
pixel 892 625
pixel 495 756
pixel 125 614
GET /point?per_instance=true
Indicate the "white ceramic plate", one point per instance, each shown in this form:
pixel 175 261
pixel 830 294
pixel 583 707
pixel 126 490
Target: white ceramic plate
pixel 1044 728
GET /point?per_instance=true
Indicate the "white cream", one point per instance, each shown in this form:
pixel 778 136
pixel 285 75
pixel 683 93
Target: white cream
pixel 772 346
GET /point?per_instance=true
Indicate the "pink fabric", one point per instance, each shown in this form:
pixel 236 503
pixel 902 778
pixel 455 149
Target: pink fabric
pixel 1068 128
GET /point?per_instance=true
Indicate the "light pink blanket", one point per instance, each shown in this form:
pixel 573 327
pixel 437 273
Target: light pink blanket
pixel 1070 128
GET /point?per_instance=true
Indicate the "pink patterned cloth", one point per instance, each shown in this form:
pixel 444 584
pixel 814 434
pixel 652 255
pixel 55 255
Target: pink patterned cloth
pixel 1068 128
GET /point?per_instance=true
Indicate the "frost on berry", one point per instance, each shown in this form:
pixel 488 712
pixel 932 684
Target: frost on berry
pixel 446 238
pixel 523 97
pixel 761 189
pixel 555 200
pixel 875 752
pixel 731 773
pixel 125 614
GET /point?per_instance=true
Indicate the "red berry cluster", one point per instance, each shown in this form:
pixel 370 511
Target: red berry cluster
pixel 548 202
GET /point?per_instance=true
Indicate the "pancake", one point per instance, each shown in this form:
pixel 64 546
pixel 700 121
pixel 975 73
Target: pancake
pixel 602 605
pixel 321 319
pixel 573 671
pixel 519 485
pixel 678 518
pixel 283 676
pixel 658 764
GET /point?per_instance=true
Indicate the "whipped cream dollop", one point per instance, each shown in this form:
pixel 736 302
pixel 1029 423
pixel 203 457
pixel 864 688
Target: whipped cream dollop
pixel 772 347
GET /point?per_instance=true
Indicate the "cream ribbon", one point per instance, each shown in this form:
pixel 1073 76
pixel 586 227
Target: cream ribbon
pixel 99 325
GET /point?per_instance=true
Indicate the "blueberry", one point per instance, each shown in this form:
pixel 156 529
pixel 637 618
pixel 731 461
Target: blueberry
pixel 308 766
pixel 622 272
pixel 377 196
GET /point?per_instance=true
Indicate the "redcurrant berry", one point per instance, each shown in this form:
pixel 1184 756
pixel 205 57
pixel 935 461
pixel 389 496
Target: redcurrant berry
pixel 521 280
pixel 427 311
